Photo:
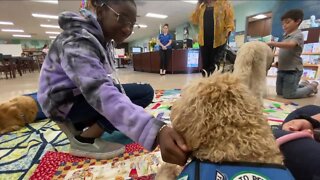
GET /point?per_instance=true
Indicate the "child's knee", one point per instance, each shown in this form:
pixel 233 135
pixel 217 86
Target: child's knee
pixel 288 95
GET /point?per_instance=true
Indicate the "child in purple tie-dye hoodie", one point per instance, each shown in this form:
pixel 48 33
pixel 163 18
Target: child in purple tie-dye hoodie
pixel 78 91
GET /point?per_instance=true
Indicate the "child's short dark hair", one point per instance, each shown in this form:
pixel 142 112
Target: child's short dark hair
pixel 166 25
pixel 96 3
pixel 294 14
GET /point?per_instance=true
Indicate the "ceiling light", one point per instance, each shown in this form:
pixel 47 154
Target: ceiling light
pixel 140 25
pixel 260 16
pixel 52 37
pixel 49 26
pixel 48 32
pixel 192 2
pixel 47 1
pixel 21 35
pixel 44 16
pixel 6 23
pixel 153 15
pixel 12 30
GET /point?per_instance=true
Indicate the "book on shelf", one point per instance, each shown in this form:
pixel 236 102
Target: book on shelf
pixel 305 59
pixel 309 73
pixel 314 59
pixel 305 35
pixel 316 48
pixel 266 38
pixel 307 48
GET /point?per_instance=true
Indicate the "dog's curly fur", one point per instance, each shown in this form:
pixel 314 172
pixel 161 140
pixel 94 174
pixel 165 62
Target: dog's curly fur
pixel 252 63
pixel 16 113
pixel 221 121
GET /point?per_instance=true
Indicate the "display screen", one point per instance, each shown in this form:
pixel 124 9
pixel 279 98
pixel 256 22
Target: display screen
pixel 193 58
pixel 136 50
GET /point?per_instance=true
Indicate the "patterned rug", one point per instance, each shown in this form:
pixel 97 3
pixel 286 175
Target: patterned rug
pixel 21 151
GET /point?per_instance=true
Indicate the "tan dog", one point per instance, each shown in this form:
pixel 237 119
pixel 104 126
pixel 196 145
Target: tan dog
pixel 16 113
pixel 253 61
pixel 222 122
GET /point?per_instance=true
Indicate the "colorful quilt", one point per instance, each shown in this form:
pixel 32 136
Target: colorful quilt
pixel 143 165
pixel 21 151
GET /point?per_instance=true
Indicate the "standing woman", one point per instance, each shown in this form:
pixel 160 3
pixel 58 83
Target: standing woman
pixel 216 21
pixel 164 40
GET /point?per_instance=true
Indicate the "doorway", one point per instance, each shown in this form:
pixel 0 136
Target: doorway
pixel 259 25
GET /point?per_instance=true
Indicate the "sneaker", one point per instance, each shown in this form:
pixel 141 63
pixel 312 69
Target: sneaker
pixel 314 86
pixel 304 83
pixel 69 129
pixel 100 149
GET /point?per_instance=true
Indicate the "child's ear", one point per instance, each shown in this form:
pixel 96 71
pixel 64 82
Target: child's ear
pixel 299 21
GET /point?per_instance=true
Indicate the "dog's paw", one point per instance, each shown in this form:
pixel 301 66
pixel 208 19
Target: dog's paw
pixel 168 171
pixel 10 129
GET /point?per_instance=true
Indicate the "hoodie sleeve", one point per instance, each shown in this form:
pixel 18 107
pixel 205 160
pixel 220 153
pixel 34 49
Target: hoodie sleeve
pixel 81 63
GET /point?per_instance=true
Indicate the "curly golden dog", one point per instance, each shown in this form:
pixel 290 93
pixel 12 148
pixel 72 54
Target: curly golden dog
pixel 16 113
pixel 222 122
pixel 253 61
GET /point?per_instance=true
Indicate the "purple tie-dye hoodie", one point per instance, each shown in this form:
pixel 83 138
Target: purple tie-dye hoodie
pixel 78 63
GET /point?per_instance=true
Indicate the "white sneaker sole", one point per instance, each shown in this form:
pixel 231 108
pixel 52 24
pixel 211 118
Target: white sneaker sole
pixel 95 155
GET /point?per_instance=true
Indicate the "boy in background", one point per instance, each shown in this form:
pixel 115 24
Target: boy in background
pixel 290 66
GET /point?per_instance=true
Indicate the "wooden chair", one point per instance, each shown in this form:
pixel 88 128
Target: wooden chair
pixel 4 67
pixel 10 65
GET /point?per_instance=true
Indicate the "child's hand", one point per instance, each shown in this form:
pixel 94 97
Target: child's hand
pixel 298 125
pixel 271 43
pixel 172 146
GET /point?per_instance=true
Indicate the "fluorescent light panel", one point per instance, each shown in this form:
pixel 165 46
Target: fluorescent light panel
pixel 12 30
pixel 49 26
pixel 47 1
pixel 192 2
pixel 52 37
pixel 260 16
pixel 141 25
pixel 153 15
pixel 21 35
pixel 50 32
pixel 47 16
pixel 6 23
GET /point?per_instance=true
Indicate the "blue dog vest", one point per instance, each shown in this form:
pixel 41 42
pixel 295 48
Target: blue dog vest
pixel 200 170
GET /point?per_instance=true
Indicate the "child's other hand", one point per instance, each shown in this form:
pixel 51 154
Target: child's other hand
pixel 270 43
pixel 173 147
pixel 298 125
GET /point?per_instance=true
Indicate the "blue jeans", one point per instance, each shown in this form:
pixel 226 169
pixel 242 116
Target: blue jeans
pixel 83 115
pixel 288 85
pixel 40 114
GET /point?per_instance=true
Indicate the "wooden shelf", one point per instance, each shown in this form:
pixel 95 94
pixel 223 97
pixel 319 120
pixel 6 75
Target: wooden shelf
pixel 30 50
pixel 305 65
pixel 311 65
pixel 310 54
pixel 304 54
